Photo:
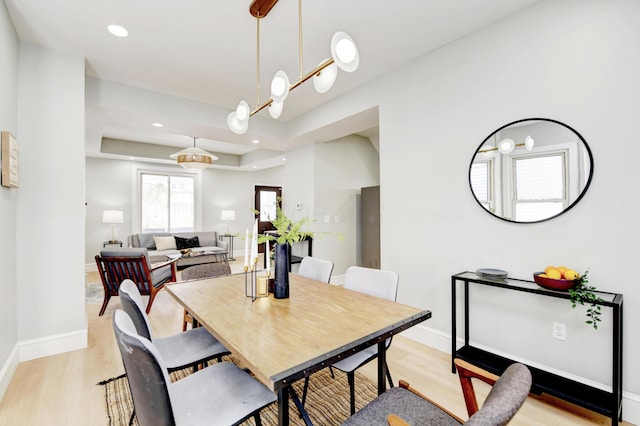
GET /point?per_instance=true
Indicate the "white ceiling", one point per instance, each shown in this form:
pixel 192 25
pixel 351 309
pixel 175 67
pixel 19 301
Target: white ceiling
pixel 205 51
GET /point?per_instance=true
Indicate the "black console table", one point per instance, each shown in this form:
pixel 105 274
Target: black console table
pixel 598 400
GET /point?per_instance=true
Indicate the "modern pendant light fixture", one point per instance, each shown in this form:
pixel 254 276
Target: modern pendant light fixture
pixel 344 55
pixel 193 158
pixel 506 146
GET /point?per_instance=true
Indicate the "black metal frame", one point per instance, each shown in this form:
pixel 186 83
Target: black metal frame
pixel 283 381
pixel 600 401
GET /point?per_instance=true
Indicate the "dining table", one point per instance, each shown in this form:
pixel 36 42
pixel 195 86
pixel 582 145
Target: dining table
pixel 284 340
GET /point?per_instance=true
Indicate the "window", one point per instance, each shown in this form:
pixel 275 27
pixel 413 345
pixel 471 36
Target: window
pixel 480 179
pixel 540 190
pixel 167 202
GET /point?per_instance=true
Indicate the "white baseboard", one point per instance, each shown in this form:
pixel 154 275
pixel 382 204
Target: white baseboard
pixel 52 345
pixel 8 370
pixel 90 267
pixel 442 342
pixel 37 348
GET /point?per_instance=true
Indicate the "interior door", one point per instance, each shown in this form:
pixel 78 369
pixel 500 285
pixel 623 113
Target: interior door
pixel 265 201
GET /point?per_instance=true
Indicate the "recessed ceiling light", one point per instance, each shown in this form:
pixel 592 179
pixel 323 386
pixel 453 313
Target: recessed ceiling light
pixel 255 141
pixel 284 158
pixel 158 125
pixel 255 167
pixel 117 30
pixel 132 158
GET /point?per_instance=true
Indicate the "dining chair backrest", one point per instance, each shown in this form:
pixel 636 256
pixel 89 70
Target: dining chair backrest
pixel 374 282
pixel 147 376
pixel 316 269
pixel 131 301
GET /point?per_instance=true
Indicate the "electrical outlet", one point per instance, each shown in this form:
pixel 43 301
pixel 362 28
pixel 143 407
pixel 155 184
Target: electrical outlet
pixel 559 331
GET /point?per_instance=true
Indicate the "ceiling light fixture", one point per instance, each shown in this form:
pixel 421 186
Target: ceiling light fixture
pixel 117 30
pixel 157 125
pixel 506 146
pixel 193 158
pixel 344 55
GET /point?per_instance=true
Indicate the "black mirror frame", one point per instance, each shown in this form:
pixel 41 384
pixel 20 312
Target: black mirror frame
pixel 577 200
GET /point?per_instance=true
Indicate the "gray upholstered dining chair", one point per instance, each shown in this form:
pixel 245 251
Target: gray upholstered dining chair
pixel 315 268
pixel 374 282
pixel 181 350
pixel 116 265
pixel 221 394
pixel 403 406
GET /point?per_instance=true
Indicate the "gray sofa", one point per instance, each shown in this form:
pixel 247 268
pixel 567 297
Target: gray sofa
pixel 210 248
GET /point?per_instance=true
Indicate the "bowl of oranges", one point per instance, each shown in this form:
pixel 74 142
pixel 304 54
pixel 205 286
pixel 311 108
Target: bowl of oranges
pixel 556 278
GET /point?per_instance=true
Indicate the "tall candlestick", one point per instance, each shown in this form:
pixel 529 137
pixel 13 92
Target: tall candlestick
pixel 246 249
pixel 267 254
pixel 254 245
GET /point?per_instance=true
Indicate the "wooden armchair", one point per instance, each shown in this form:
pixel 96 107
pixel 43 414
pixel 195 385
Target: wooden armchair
pixel 117 265
pixel 403 406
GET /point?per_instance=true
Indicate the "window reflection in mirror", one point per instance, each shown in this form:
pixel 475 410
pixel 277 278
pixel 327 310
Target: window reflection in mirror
pixel 531 170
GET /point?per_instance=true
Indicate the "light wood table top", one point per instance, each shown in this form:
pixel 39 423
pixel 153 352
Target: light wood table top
pixel 282 340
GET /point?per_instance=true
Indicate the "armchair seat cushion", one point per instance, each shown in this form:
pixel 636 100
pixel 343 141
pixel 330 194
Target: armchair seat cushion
pixel 404 403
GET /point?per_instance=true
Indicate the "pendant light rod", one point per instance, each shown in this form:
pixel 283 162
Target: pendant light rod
pixel 300 35
pixel 304 78
pixel 258 58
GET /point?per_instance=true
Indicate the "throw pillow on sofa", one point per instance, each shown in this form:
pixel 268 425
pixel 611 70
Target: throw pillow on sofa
pixel 165 243
pixel 185 243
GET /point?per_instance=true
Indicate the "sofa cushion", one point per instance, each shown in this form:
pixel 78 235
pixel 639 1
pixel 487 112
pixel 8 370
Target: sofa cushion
pixel 164 243
pixel 185 243
pixel 206 238
pixel 146 240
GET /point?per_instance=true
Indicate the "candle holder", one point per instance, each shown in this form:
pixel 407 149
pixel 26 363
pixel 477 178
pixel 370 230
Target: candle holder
pixel 256 284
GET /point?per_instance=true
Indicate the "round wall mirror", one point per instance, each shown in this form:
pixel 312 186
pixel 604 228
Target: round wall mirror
pixel 531 170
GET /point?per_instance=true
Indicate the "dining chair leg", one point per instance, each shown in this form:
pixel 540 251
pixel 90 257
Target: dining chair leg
pixel 352 391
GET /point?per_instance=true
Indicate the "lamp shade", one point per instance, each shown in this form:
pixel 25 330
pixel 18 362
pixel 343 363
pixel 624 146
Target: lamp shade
pixel 112 216
pixel 194 158
pixel 280 86
pixel 529 143
pixel 323 80
pixel 228 215
pixel 236 125
pixel 275 109
pixel 506 146
pixel 344 52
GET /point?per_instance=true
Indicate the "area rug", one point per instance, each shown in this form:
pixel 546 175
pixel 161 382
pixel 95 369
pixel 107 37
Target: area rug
pixel 94 292
pixel 327 399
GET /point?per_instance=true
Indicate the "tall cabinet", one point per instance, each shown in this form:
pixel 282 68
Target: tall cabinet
pixel 370 223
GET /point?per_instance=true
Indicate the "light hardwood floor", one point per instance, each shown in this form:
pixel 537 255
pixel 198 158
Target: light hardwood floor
pixel 62 390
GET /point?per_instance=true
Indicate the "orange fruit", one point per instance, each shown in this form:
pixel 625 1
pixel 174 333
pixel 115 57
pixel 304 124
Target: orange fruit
pixel 562 269
pixel 571 275
pixel 554 274
pixel 542 275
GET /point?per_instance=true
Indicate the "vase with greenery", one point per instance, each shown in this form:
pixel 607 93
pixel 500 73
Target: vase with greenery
pixel 287 231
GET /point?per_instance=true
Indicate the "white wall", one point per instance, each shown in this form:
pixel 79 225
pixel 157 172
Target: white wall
pixel 50 200
pixel 342 167
pixel 574 61
pixel 8 201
